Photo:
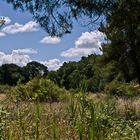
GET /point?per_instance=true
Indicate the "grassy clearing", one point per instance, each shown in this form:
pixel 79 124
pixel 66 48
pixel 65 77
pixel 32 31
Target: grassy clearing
pixel 81 117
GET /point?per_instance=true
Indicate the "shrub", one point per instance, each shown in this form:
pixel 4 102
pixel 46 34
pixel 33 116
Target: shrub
pixel 40 89
pixel 123 89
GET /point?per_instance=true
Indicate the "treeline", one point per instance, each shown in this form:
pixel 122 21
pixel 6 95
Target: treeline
pixel 87 74
pixel 92 72
pixel 11 74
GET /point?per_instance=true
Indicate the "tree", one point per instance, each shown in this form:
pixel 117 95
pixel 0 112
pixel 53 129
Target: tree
pixel 123 31
pixel 10 74
pixel 53 76
pixel 34 69
pixel 73 75
pixel 56 16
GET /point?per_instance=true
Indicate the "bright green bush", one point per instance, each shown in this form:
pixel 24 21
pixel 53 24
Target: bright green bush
pixel 40 89
pixel 123 89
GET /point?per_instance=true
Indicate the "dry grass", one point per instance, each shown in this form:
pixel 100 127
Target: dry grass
pixel 124 106
pixel 27 119
pixel 53 121
pixel 2 97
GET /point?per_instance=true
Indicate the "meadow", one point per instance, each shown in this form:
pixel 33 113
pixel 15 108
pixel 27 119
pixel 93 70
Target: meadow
pixel 75 116
pixel 96 98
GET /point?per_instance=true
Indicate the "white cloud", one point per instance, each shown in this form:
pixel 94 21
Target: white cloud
pixel 2 34
pixel 19 57
pixel 24 51
pixel 16 28
pixel 88 43
pixel 90 40
pixel 75 52
pixel 52 64
pixel 50 40
pixel 2 54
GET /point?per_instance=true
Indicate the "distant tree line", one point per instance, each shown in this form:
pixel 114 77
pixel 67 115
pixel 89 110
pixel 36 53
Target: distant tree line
pixel 93 73
pixel 11 74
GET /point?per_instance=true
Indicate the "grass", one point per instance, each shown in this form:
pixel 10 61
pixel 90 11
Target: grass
pixel 82 117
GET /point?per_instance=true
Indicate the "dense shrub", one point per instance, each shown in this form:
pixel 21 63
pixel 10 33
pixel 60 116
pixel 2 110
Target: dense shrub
pixel 123 89
pixel 40 89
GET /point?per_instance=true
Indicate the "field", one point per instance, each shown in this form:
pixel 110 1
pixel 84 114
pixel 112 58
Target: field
pixel 79 79
pixel 81 117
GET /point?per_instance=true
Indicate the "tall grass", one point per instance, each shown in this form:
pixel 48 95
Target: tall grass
pixel 80 118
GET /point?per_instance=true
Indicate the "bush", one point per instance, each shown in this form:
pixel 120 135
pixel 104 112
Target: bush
pixel 122 89
pixel 40 89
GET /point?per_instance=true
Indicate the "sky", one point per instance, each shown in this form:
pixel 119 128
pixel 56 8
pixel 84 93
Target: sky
pixel 23 41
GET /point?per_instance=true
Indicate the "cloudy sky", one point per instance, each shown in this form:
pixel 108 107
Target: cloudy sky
pixel 22 41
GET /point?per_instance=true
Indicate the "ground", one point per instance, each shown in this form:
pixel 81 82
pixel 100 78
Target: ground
pixel 2 97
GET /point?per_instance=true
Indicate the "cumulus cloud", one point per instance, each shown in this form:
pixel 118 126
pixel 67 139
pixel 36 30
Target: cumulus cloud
pixel 50 40
pixel 88 43
pixel 53 64
pixel 75 52
pixel 20 28
pixel 19 57
pixel 90 40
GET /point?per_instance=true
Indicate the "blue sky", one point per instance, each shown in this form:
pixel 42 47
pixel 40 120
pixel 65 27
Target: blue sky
pixel 22 41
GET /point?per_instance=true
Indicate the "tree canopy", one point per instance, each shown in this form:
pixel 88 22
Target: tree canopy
pixel 57 16
pixel 11 74
pixel 123 31
pixel 34 69
pixel 73 75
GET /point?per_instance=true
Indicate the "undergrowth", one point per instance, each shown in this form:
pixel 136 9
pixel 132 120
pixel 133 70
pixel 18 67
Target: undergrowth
pixel 80 118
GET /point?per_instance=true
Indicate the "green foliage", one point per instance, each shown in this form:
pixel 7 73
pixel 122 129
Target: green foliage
pixel 34 69
pixel 11 74
pixel 38 119
pixel 5 133
pixel 53 76
pixel 40 89
pixel 91 72
pixel 122 31
pixel 123 89
pixel 73 75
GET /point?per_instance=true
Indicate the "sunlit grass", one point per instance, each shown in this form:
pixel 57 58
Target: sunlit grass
pixel 81 117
